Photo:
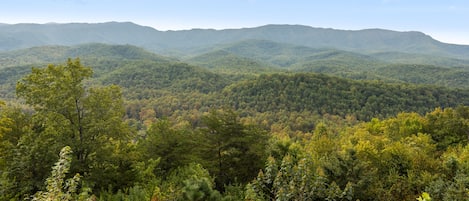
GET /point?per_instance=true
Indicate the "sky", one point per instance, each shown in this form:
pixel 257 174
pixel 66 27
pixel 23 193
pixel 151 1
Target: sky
pixel 444 20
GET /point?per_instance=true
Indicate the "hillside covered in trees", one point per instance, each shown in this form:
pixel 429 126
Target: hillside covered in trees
pixel 19 36
pixel 248 119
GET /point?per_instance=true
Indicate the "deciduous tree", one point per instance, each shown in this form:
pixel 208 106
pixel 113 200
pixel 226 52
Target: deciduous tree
pixel 89 120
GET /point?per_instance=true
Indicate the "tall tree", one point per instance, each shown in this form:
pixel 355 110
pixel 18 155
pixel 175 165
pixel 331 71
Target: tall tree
pixel 173 147
pixel 233 152
pixel 89 120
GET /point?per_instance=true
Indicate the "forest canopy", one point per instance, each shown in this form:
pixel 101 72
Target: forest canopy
pixel 137 129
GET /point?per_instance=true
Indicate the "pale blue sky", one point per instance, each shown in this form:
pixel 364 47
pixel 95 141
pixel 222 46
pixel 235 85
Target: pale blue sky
pixel 445 20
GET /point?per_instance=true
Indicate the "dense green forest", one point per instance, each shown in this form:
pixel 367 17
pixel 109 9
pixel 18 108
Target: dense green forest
pixel 181 43
pixel 252 120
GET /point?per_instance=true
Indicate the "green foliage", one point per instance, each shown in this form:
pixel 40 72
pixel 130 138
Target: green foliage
pixel 176 42
pixel 8 78
pixel 172 147
pixel 425 197
pixel 295 179
pixel 89 120
pixel 419 58
pixel 425 74
pixel 449 126
pixel 93 51
pixel 369 69
pixel 198 190
pixel 231 151
pixel 314 92
pixel 387 66
pixel 174 77
pixel 64 80
pixel 18 162
pixel 189 182
pixel 330 138
pixel 134 193
pixel 57 188
pixel 228 63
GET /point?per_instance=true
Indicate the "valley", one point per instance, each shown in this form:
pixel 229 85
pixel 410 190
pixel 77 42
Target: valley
pixel 236 114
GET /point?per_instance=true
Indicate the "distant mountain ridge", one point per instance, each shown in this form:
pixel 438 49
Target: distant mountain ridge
pixel 58 54
pixel 19 36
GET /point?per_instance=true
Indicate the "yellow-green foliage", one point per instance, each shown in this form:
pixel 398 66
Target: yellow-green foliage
pixel 290 137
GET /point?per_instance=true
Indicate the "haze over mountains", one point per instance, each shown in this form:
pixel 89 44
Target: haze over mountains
pixel 20 36
pixel 196 114
pixel 374 54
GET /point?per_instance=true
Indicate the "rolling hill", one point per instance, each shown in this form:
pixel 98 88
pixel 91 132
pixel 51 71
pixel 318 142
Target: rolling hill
pixel 425 74
pixel 286 55
pixel 226 62
pixel 58 54
pixel 172 76
pixel 103 58
pixel 409 58
pixel 249 55
pixel 331 95
pixel 245 58
pixel 171 83
pixel 19 36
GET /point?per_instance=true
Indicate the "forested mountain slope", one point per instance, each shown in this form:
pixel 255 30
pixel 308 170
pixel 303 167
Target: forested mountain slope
pixel 409 58
pixel 94 51
pixel 226 62
pixel 426 74
pixel 272 92
pixel 302 121
pixel 277 112
pixel 174 77
pixel 286 55
pixel 149 127
pixel 389 67
pixel 104 59
pixel 331 95
pixel 392 73
pixel 136 68
pixel 370 40
pixel 29 35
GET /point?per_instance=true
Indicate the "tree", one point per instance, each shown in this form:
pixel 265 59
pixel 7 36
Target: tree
pixel 57 187
pixel 295 179
pixel 448 126
pixel 17 166
pixel 89 120
pixel 232 152
pixel 172 147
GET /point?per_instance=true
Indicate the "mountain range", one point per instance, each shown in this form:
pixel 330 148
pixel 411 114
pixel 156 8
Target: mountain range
pixel 187 42
pixel 268 68
pixel 246 58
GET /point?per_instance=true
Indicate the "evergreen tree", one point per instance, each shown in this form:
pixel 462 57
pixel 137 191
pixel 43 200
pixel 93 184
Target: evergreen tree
pixel 232 152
